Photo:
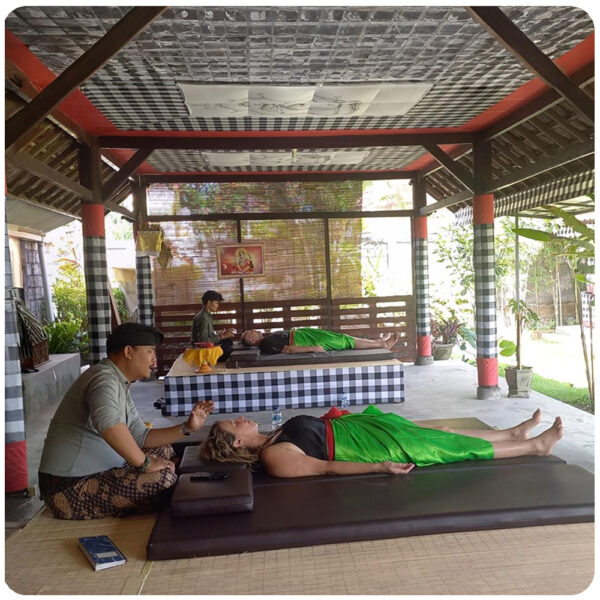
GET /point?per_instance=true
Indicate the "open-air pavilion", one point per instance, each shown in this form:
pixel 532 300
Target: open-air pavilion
pixel 486 111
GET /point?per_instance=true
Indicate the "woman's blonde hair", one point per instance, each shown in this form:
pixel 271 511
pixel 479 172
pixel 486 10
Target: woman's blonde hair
pixel 219 446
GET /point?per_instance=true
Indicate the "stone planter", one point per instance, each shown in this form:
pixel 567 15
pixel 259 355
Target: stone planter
pixel 442 351
pixel 519 381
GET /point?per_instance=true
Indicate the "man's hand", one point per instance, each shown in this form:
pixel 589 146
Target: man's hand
pixel 227 333
pixel 198 415
pixel 158 464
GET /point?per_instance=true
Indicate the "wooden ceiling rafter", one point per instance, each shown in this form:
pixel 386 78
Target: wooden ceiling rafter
pixel 452 166
pixel 127 170
pixel 42 170
pixel 276 177
pixel 258 140
pixel 281 216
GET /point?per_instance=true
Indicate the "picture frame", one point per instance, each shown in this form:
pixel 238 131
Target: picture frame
pixel 240 260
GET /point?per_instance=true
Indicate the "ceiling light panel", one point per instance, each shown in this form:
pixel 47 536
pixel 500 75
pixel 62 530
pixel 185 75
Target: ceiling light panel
pixel 210 101
pixel 284 159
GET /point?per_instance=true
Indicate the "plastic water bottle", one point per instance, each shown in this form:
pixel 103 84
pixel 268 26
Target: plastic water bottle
pixel 344 401
pixel 276 418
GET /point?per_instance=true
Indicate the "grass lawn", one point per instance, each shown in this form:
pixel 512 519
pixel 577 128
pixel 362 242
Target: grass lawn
pixel 565 392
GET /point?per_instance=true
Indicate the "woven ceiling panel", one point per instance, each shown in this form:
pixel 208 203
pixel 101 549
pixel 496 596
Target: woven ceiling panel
pixel 296 46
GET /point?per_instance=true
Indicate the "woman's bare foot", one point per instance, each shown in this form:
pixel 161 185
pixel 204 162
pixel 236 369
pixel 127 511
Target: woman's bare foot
pixel 521 431
pixel 391 342
pixel 546 440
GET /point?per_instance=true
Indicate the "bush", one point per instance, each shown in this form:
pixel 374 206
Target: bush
pixel 65 337
pixel 70 297
pixel 121 303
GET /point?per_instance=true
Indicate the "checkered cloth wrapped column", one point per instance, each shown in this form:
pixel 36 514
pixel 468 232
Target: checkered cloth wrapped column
pixel 98 300
pixel 587 308
pixel 422 290
pixel 16 476
pixel 485 291
pixel 145 292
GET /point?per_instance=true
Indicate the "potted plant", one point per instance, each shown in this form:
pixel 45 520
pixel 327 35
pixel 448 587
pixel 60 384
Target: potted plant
pixel 444 334
pixel 518 377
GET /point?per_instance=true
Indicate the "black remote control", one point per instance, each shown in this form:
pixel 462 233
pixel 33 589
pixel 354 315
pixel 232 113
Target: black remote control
pixel 209 475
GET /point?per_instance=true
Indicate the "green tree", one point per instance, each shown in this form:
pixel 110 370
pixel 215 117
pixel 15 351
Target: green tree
pixel 577 249
pixel 69 292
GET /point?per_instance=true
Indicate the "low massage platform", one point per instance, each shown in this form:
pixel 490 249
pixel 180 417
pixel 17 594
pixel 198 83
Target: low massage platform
pixel 287 386
pixel 269 513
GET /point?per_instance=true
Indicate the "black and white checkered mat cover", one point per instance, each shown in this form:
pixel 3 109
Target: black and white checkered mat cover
pixel 305 388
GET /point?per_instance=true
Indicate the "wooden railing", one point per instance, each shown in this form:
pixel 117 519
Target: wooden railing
pixel 359 317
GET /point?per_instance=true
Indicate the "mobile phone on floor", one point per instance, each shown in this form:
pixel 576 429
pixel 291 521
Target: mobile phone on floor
pixel 209 475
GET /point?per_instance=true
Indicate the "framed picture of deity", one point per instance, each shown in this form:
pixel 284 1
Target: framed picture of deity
pixel 240 260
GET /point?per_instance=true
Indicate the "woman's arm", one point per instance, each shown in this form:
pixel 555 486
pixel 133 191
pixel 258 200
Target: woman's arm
pixel 286 460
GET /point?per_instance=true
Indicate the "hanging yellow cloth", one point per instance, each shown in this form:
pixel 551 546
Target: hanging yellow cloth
pixel 149 243
pixel 198 357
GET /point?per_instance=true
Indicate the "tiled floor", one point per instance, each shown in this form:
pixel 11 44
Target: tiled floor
pixel 442 390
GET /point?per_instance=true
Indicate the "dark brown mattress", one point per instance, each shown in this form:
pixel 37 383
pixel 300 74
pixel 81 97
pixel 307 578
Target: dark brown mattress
pixel 465 496
pixel 252 357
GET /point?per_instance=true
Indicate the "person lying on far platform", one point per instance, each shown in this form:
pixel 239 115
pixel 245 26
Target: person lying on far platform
pixel 367 442
pixel 306 339
pixel 99 457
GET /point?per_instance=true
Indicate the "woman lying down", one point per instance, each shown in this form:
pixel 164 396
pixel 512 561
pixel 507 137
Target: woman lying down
pixel 367 442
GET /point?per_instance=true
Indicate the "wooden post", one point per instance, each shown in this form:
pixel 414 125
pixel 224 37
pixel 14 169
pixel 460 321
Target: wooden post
pixel 328 271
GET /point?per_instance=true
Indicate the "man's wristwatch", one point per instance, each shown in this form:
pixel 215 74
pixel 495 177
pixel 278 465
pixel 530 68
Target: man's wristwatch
pixel 184 430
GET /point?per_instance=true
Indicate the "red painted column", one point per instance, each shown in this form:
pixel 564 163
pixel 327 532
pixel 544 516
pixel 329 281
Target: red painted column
pixel 96 279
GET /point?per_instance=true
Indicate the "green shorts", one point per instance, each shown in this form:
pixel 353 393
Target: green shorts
pixel 328 340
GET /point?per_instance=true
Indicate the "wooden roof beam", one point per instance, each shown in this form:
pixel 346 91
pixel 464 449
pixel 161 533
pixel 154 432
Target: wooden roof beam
pixel 81 70
pixel 276 176
pixel 280 216
pixel 452 166
pixel 515 41
pixel 255 140
pixel 42 170
pixel 120 177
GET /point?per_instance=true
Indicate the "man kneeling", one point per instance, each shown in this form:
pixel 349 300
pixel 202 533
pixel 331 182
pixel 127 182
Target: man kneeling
pixel 99 458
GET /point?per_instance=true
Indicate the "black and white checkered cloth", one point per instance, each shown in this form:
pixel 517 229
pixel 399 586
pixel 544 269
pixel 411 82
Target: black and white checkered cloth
pixel 421 286
pixel 485 290
pixel 305 388
pixel 145 292
pixel 14 416
pixel 98 300
pixel 552 192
